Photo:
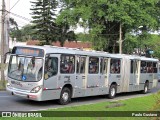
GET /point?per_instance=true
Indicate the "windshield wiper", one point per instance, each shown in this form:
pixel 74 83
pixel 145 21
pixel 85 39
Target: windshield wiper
pixel 13 71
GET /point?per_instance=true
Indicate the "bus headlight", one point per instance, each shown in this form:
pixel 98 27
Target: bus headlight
pixel 8 85
pixel 36 89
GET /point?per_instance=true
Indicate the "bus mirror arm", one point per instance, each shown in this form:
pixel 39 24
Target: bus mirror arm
pixel 5 56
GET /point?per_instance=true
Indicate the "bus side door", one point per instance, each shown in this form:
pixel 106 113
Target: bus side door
pixel 51 71
pixel 103 81
pixel 149 73
pixel 136 75
pixel 81 73
pixel 115 72
pixel 93 76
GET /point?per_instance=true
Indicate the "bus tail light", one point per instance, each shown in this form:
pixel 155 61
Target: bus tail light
pixel 36 89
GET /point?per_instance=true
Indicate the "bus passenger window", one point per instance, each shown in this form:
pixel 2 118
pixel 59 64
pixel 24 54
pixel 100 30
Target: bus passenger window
pixel 149 67
pixel 93 65
pixel 131 70
pixel 51 67
pixel 143 67
pixel 77 62
pixel 67 64
pixel 115 66
pixel 101 65
pixel 155 67
pixel 105 66
pixel 134 65
pixel 82 64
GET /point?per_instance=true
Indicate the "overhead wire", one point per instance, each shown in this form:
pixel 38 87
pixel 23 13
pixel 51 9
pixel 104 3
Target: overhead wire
pixel 14 5
pixel 24 18
pixel 11 8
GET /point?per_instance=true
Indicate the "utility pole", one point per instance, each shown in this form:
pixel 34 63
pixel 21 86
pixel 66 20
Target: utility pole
pixel 2 43
pixel 120 39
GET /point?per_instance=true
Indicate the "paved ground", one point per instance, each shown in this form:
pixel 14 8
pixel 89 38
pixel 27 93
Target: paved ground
pixel 13 103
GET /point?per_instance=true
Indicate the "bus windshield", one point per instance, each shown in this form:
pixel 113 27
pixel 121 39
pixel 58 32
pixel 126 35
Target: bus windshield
pixel 25 68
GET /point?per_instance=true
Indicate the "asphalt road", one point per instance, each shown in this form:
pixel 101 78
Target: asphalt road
pixel 14 103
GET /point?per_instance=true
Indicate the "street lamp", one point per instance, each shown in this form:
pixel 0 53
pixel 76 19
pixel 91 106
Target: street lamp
pixel 140 42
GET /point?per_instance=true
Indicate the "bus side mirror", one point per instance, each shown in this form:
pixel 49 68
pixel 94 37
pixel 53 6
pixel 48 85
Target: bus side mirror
pixel 6 57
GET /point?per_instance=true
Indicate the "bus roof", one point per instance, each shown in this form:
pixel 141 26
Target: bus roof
pixel 54 49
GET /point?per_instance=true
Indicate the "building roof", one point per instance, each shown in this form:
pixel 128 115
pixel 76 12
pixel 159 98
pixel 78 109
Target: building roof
pixel 68 44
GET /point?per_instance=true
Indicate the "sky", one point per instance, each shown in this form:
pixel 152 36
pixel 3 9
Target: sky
pixel 22 8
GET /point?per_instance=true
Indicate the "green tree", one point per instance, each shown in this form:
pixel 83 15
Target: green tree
pixel 28 33
pixel 64 33
pixel 43 14
pixel 153 43
pixel 130 42
pixel 103 18
pixel 14 30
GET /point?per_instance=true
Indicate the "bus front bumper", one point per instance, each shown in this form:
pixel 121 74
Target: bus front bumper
pixel 24 93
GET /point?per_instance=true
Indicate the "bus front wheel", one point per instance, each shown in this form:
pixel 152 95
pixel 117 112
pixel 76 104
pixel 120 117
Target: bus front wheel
pixel 65 96
pixel 112 91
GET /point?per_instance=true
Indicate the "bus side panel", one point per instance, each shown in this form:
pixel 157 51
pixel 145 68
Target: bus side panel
pixel 155 81
pixel 131 82
pixel 91 91
pixel 78 92
pixel 115 78
pixel 51 94
pixel 92 84
pixel 103 90
pixel 66 79
pixel 142 81
pixel 150 77
pixel 134 86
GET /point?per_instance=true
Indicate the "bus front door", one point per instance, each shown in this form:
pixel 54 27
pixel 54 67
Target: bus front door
pixel 50 87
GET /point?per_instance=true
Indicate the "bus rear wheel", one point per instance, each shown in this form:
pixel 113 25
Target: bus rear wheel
pixel 146 87
pixel 112 91
pixel 65 96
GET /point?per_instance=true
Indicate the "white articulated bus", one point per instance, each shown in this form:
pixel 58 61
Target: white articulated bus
pixel 46 72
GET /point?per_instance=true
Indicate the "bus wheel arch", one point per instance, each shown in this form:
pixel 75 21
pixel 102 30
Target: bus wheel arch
pixel 146 87
pixel 66 94
pixel 112 90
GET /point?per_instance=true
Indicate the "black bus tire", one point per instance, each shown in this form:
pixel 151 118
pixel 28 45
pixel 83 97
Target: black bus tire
pixel 65 96
pixel 146 87
pixel 112 91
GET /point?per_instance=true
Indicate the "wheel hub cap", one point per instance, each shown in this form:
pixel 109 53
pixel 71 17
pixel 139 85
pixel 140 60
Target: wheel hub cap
pixel 65 96
pixel 113 91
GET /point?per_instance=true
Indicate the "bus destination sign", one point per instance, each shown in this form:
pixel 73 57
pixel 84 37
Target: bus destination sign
pixel 28 51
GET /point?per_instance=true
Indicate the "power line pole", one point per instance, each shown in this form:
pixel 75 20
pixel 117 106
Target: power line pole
pixel 2 42
pixel 120 39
